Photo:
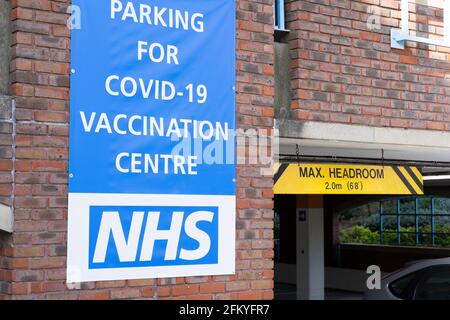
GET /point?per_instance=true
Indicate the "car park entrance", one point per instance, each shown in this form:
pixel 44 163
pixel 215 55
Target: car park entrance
pixel 326 240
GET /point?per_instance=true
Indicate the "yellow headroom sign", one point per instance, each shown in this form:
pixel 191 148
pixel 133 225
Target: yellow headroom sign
pixel 303 178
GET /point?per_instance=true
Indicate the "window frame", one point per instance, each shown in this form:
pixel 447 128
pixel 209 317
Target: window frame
pixel 279 13
pixel 398 214
pixel 410 288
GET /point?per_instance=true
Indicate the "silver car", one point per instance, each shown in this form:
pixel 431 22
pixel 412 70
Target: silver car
pixel 418 280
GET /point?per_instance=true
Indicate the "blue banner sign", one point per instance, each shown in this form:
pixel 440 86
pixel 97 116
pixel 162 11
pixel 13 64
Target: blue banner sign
pixel 152 139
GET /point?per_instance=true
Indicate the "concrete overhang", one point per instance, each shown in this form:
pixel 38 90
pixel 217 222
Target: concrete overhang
pixel 354 141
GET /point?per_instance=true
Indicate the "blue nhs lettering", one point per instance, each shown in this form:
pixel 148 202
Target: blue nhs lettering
pixel 140 236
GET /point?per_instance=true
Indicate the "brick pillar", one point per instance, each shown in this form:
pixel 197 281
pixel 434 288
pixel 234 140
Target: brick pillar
pixel 6 150
pixel 6 191
pixel 40 83
pixel 255 77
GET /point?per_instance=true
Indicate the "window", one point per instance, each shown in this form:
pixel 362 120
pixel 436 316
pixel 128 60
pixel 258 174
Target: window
pixel 279 15
pixel 407 221
pixel 401 287
pixel 434 285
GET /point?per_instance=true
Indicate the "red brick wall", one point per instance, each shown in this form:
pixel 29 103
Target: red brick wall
pixel 6 166
pixel 6 147
pixel 40 83
pixel 344 72
pixel 5 263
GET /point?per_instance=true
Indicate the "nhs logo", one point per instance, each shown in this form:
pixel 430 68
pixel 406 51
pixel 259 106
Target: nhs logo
pixel 114 236
pixel 148 236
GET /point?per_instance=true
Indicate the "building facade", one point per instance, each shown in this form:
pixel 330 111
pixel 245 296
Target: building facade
pixel 347 92
pixel 328 80
pixel 34 162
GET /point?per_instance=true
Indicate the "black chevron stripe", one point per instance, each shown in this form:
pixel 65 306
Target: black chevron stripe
pixel 404 180
pixel 414 177
pixel 280 171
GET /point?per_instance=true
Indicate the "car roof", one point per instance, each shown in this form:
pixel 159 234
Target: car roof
pixel 414 266
pixel 420 264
